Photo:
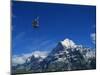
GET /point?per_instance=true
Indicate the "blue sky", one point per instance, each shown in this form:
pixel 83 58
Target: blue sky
pixel 57 22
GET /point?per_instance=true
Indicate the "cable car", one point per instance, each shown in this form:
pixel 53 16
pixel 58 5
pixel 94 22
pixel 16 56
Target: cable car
pixel 35 23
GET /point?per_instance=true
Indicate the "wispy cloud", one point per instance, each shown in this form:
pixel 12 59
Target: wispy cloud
pixel 24 43
pixel 20 35
pixel 47 44
pixel 20 59
pixel 93 37
pixel 42 54
pixel 13 16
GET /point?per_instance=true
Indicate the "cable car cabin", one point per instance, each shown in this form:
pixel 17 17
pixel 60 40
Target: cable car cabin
pixel 35 23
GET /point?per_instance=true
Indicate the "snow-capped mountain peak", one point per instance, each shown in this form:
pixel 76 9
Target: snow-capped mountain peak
pixel 65 56
pixel 68 43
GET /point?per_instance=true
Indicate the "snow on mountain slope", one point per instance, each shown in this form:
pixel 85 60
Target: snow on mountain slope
pixel 68 43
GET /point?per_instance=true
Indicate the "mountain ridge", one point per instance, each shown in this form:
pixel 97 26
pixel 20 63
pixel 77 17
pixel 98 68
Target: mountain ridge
pixel 66 56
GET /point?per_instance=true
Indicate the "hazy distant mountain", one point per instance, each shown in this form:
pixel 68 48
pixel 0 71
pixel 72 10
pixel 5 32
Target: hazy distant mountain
pixel 64 57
